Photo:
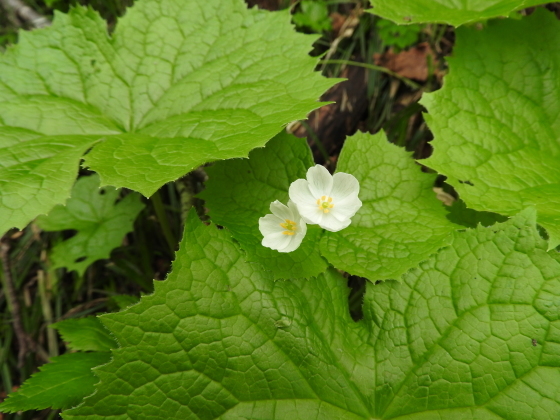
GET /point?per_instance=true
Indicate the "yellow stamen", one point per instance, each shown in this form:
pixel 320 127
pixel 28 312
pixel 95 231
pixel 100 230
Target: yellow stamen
pixel 290 227
pixel 325 204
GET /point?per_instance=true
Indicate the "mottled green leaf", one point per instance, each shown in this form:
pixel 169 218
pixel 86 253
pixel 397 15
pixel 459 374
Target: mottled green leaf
pixel 177 84
pixel 495 120
pixel 472 333
pixel 101 222
pixel 239 192
pixel 219 337
pixel 454 12
pixel 85 334
pixel 62 383
pixel 401 221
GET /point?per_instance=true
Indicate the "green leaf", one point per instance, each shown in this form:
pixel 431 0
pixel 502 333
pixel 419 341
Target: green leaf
pixel 454 13
pixel 60 384
pixel 398 36
pixel 472 333
pixel 400 223
pixel 314 14
pixel 175 85
pixel 36 172
pixel 220 338
pixel 239 192
pixel 101 222
pixel 495 120
pixel 85 334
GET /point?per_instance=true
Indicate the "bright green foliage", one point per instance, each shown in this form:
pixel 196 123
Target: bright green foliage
pixel 397 36
pixel 456 13
pixel 36 171
pixel 401 221
pixel 472 333
pixel 85 334
pixel 314 14
pixel 240 191
pixel 220 338
pixel 100 220
pixel 176 85
pixel 62 383
pixel 496 122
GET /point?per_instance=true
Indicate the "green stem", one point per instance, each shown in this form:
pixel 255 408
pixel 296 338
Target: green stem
pixel 162 217
pixel 313 135
pixel 44 292
pixel 375 68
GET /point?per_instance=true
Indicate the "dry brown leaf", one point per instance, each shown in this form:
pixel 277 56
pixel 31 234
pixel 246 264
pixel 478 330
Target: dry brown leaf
pixel 412 64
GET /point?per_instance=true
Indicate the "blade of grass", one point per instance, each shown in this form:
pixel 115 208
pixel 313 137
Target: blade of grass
pixel 405 80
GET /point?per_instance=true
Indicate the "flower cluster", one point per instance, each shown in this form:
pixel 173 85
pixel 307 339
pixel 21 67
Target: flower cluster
pixel 320 199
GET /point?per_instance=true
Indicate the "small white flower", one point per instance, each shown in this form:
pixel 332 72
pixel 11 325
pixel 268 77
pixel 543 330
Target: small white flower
pixel 326 200
pixel 283 230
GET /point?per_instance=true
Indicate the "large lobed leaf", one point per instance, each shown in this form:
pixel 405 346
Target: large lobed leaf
pixel 472 333
pixel 495 121
pixel 101 223
pixel 401 221
pixel 176 85
pixel 455 12
pixel 239 192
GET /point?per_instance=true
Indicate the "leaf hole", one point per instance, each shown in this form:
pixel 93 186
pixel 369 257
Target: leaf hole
pixel 81 259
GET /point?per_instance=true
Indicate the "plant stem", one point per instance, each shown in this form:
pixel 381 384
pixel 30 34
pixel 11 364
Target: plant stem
pixel 45 292
pixel 318 143
pixel 162 217
pixel 374 67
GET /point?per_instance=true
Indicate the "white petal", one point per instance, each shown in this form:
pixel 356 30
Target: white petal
pixel 280 210
pixel 299 192
pixel 293 244
pixel 276 240
pixel 320 181
pixel 305 202
pixel 345 186
pixel 311 213
pixel 347 209
pixel 270 224
pixel 332 224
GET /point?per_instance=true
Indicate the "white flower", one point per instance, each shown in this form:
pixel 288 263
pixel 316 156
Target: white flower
pixel 283 230
pixel 326 200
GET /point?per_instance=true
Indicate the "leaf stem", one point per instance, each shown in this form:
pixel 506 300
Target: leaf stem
pixel 162 217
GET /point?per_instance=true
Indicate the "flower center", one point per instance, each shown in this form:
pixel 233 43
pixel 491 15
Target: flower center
pixel 290 227
pixel 325 203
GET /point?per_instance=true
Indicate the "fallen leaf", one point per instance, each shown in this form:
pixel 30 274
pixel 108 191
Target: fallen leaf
pixel 412 64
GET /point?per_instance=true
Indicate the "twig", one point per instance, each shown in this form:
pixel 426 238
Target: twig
pixel 82 307
pixel 24 340
pixel 25 13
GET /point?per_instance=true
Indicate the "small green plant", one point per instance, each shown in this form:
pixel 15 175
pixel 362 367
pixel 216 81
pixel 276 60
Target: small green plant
pixel 398 36
pixel 313 14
